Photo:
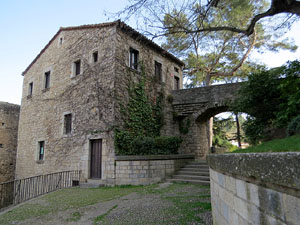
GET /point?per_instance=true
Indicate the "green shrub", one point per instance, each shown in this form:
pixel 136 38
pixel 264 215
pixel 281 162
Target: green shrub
pixel 294 126
pixel 155 146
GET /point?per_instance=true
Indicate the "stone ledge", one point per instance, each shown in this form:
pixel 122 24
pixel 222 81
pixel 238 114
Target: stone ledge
pixel 153 157
pixel 276 168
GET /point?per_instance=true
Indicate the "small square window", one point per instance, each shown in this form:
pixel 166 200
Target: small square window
pixel 2 124
pixel 133 58
pixel 30 88
pixel 1 145
pixel 176 69
pixel 47 80
pixel 95 57
pixel 41 150
pixel 76 67
pixel 158 71
pixel 68 123
pixel 176 83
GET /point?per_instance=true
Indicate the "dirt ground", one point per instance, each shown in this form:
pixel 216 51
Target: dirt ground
pixel 160 204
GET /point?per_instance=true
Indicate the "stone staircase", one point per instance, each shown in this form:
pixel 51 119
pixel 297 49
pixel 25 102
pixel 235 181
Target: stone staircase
pixel 196 172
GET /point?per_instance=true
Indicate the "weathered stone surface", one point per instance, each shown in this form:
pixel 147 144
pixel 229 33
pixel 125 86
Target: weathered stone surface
pixel 251 203
pixel 154 170
pixel 151 157
pixel 275 168
pixel 9 119
pixel 94 97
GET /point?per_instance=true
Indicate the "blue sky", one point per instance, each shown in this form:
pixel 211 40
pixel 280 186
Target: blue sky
pixel 27 25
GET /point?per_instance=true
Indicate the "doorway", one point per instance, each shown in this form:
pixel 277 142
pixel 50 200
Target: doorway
pixel 96 159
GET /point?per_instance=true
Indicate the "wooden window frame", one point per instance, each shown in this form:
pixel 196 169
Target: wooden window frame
pixel 77 67
pixel 30 89
pixel 41 148
pixel 68 123
pixel 133 59
pixel 158 70
pixel 47 79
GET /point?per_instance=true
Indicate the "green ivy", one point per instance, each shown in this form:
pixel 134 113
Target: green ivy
pixel 143 119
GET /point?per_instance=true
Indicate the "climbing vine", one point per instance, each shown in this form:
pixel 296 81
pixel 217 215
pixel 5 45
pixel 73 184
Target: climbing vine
pixel 143 120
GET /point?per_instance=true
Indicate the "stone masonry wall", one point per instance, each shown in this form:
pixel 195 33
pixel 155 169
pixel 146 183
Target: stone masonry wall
pixel 145 170
pixel 9 119
pixel 125 76
pixel 89 96
pixel 255 189
pixel 93 98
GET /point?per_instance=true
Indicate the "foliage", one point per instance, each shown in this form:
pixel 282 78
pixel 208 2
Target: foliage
pixel 155 146
pixel 150 11
pixel 271 98
pixel 142 123
pixel 184 125
pixel 220 131
pixel 212 54
pixel 294 126
pixel 289 144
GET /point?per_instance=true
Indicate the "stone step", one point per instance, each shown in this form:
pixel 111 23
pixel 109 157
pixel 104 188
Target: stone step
pixel 195 169
pixel 207 183
pixel 184 177
pixel 197 173
pixel 92 184
pixel 196 166
pixel 197 163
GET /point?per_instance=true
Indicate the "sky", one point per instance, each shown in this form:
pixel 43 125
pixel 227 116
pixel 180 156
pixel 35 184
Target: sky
pixel 26 26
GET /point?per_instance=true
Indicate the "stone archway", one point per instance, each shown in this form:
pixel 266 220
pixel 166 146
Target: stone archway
pixel 199 105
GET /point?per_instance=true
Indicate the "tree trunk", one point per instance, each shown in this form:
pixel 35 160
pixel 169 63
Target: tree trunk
pixel 238 132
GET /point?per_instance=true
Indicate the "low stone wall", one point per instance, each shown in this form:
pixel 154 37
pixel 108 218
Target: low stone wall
pixel 255 188
pixel 144 170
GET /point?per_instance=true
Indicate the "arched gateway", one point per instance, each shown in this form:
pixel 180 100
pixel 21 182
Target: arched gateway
pixel 197 105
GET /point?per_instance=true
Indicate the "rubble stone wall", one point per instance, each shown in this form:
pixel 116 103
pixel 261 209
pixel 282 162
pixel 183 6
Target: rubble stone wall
pixel 9 118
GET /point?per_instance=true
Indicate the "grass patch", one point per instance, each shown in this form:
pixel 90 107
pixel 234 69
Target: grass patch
pixel 289 144
pixel 75 217
pixel 71 198
pixel 98 219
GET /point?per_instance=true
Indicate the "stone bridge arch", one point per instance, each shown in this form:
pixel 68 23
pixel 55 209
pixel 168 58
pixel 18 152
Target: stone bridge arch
pixel 198 105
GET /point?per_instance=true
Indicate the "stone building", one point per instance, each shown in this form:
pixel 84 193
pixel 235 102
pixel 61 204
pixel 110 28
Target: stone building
pixel 9 119
pixel 72 93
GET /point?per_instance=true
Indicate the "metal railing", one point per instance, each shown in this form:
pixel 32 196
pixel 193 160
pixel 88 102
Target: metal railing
pixel 17 191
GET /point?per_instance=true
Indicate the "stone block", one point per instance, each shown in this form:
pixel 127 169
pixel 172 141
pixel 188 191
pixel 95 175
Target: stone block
pixel 291 208
pixel 241 208
pixel 241 189
pixel 230 184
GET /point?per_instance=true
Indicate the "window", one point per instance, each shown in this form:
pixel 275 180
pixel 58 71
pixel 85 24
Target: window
pixel 1 145
pixel 176 69
pixel 41 150
pixel 95 57
pixel 176 83
pixel 158 71
pixel 30 89
pixel 2 124
pixel 76 67
pixel 133 59
pixel 67 123
pixel 47 79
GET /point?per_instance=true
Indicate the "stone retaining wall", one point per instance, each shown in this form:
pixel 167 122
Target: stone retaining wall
pixel 255 188
pixel 144 170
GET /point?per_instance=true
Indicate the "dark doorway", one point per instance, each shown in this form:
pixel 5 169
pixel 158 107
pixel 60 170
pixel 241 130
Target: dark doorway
pixel 96 158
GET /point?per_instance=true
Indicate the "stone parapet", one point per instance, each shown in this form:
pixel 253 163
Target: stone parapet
pixel 255 188
pixel 145 170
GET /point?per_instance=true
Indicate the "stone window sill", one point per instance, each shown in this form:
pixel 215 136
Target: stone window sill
pixel 39 161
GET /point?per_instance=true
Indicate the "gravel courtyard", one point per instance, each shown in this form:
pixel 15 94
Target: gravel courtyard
pixel 165 203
